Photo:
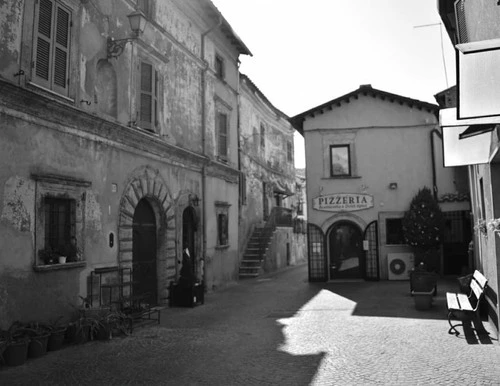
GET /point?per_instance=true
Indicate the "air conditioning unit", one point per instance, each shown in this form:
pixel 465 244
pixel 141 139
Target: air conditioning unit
pixel 399 265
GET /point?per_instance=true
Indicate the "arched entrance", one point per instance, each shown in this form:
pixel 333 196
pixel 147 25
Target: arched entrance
pixel 345 251
pixel 188 233
pixel 144 253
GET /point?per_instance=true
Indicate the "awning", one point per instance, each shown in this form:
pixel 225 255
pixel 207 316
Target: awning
pixel 468 141
pixel 282 188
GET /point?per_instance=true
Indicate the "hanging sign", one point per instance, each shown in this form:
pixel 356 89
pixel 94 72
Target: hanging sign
pixel 343 202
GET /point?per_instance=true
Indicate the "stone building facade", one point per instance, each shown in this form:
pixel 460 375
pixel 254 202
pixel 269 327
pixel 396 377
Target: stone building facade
pixel 115 152
pixel 269 180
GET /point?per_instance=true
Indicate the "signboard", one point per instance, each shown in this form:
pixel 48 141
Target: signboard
pixel 343 202
pixel 477 79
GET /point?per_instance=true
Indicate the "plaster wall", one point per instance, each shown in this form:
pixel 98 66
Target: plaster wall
pixel 389 143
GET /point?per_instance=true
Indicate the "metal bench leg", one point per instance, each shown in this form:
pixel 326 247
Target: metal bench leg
pixel 452 327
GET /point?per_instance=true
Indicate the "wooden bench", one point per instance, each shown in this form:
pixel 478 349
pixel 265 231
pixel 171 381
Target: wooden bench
pixel 463 306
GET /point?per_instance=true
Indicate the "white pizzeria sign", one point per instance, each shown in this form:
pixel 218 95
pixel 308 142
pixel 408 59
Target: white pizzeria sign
pixel 343 202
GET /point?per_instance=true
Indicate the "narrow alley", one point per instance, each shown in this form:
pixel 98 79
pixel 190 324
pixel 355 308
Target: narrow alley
pixel 282 330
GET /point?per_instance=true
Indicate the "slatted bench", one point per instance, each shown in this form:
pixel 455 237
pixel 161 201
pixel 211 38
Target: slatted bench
pixel 463 306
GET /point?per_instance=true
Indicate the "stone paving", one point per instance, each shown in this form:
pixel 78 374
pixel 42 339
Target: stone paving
pixel 282 330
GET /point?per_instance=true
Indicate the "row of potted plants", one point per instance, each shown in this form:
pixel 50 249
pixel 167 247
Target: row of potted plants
pixel 31 340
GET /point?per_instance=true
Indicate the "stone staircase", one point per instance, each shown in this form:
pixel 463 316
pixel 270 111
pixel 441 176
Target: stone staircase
pixel 257 246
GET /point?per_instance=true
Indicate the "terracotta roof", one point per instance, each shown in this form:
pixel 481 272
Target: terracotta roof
pixel 226 28
pixel 365 89
pixel 244 78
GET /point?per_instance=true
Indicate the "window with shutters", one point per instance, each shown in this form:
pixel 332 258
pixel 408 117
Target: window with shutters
pixel 222 134
pixel 289 152
pixel 51 47
pixel 148 98
pixel 262 136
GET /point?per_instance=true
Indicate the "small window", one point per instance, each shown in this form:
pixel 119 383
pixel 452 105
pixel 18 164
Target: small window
pixel 148 100
pixel 219 67
pixel 340 160
pixel 51 50
pixel 289 152
pixel 262 136
pixel 222 127
pixel 146 6
pixel 222 229
pixel 394 231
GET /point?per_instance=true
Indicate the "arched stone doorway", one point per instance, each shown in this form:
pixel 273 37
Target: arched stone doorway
pixel 146 183
pixel 345 251
pixel 144 248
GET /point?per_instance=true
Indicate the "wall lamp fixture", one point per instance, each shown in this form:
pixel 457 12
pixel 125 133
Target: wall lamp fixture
pixel 137 21
pixel 194 200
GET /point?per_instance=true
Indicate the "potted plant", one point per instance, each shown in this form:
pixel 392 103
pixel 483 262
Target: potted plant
pixel 15 345
pixel 57 334
pixel 39 334
pixel 423 232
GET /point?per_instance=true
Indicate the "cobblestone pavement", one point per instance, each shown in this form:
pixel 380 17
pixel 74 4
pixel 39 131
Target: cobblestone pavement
pixel 282 330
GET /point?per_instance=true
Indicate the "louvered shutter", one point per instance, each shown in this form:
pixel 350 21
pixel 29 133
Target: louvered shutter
pixel 146 97
pixel 61 50
pixel 51 47
pixel 43 43
pixel 222 135
pixel 155 97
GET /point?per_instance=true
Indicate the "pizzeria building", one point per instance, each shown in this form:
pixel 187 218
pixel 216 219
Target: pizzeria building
pixel 367 155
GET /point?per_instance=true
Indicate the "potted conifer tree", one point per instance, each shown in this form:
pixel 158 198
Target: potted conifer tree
pixel 423 232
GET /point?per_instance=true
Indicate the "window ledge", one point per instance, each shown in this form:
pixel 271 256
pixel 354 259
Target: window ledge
pixel 341 178
pixel 222 247
pixel 57 267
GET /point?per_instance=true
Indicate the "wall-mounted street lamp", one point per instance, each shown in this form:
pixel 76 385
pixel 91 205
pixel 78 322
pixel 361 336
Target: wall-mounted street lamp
pixel 137 21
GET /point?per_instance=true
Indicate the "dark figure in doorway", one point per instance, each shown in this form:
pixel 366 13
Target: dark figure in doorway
pixel 187 278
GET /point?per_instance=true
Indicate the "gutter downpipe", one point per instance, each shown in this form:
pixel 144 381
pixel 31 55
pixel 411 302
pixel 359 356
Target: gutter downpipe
pixel 204 147
pixel 433 159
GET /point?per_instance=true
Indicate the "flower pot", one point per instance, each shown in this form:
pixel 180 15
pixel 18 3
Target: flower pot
pixel 62 259
pixel 78 334
pixel 103 332
pixel 56 339
pixel 38 346
pixel 16 353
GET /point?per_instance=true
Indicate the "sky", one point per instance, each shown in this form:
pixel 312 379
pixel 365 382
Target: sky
pixel 308 52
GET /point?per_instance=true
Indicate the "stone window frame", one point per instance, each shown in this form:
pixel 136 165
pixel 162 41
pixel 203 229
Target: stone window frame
pixel 222 108
pixel 221 213
pixel 56 186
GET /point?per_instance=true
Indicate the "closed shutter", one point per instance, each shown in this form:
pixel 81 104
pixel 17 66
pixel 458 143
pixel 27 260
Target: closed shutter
pixel 150 91
pixel 51 47
pixel 61 54
pixel 43 60
pixel 222 135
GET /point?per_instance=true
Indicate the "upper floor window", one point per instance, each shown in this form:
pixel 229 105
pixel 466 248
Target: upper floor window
pixel 262 136
pixel 222 133
pixel 51 50
pixel 146 6
pixel 289 152
pixel 219 67
pixel 148 100
pixel 340 160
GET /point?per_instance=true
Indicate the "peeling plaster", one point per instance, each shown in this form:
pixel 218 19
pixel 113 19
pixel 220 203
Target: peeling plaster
pixel 18 199
pixel 93 212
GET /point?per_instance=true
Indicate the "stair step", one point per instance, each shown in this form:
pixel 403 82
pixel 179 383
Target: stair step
pixel 248 276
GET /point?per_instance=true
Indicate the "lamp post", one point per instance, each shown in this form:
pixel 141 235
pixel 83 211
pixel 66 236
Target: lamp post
pixel 137 21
